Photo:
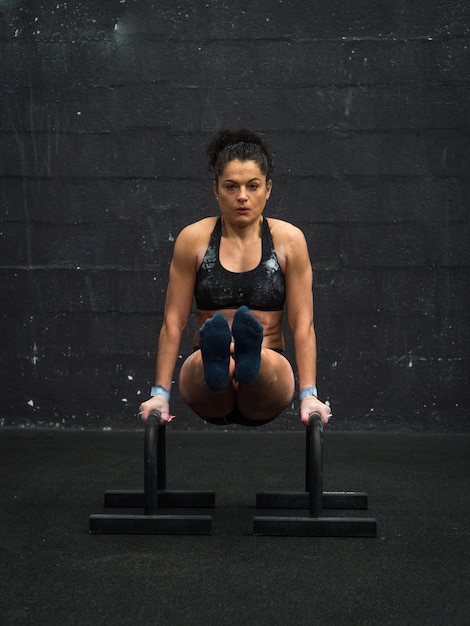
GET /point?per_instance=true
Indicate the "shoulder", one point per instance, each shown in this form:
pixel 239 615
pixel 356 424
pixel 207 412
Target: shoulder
pixel 291 247
pixel 286 235
pixel 191 243
pixel 291 250
pixel 198 229
pixel 196 233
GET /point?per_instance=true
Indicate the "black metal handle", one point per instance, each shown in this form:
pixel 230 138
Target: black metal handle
pixel 155 418
pixel 154 460
pixel 314 463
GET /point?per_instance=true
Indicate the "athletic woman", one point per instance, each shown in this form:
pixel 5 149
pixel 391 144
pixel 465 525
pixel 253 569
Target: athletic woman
pixel 243 270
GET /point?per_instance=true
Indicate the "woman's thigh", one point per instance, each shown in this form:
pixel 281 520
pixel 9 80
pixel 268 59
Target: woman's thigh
pixel 272 391
pixel 261 400
pixel 196 394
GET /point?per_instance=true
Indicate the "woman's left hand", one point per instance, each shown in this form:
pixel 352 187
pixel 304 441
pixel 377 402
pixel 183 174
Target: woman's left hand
pixel 314 405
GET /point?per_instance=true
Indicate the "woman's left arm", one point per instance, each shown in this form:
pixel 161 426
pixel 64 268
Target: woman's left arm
pixel 299 300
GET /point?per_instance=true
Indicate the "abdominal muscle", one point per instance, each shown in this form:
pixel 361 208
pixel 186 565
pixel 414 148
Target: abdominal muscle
pixel 271 321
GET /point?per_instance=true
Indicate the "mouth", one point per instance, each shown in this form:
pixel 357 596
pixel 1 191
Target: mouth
pixel 242 210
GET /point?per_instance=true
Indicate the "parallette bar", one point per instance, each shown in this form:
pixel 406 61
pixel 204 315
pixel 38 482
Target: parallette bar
pixel 315 526
pixel 151 524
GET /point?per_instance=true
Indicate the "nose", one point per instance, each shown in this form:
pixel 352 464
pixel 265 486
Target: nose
pixel 242 196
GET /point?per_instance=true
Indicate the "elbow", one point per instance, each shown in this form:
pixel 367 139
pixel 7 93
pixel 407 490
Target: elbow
pixel 302 326
pixel 172 329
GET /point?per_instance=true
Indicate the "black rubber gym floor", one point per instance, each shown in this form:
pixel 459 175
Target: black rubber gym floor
pixel 53 571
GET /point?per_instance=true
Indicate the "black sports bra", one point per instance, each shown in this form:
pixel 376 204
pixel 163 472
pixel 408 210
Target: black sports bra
pixel 262 288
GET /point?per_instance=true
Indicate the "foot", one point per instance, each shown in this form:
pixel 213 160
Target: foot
pixel 248 336
pixel 214 341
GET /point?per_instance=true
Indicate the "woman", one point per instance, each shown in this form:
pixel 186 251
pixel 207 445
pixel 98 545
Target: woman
pixel 242 269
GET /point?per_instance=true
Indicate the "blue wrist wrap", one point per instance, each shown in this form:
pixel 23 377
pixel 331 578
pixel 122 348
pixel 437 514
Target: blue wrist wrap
pixel 307 392
pixel 160 391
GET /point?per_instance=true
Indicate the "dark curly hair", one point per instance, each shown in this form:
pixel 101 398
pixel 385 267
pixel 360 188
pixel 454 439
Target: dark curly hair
pixel 243 145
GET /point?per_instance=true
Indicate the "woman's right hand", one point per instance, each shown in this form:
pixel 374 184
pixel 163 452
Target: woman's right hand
pixel 156 403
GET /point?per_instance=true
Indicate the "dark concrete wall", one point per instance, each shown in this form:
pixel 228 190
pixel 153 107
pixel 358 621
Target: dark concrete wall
pixel 105 111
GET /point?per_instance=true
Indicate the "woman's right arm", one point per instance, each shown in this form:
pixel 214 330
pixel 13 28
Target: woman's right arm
pixel 179 297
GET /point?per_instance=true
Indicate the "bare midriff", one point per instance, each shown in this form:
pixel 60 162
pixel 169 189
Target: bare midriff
pixel 271 321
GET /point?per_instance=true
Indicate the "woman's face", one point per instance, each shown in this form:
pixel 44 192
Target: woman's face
pixel 242 191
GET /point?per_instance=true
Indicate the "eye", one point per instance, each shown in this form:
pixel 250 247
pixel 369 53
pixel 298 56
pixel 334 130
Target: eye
pixel 229 187
pixel 254 186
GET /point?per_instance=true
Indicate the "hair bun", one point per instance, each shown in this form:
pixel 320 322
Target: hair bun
pixel 227 138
